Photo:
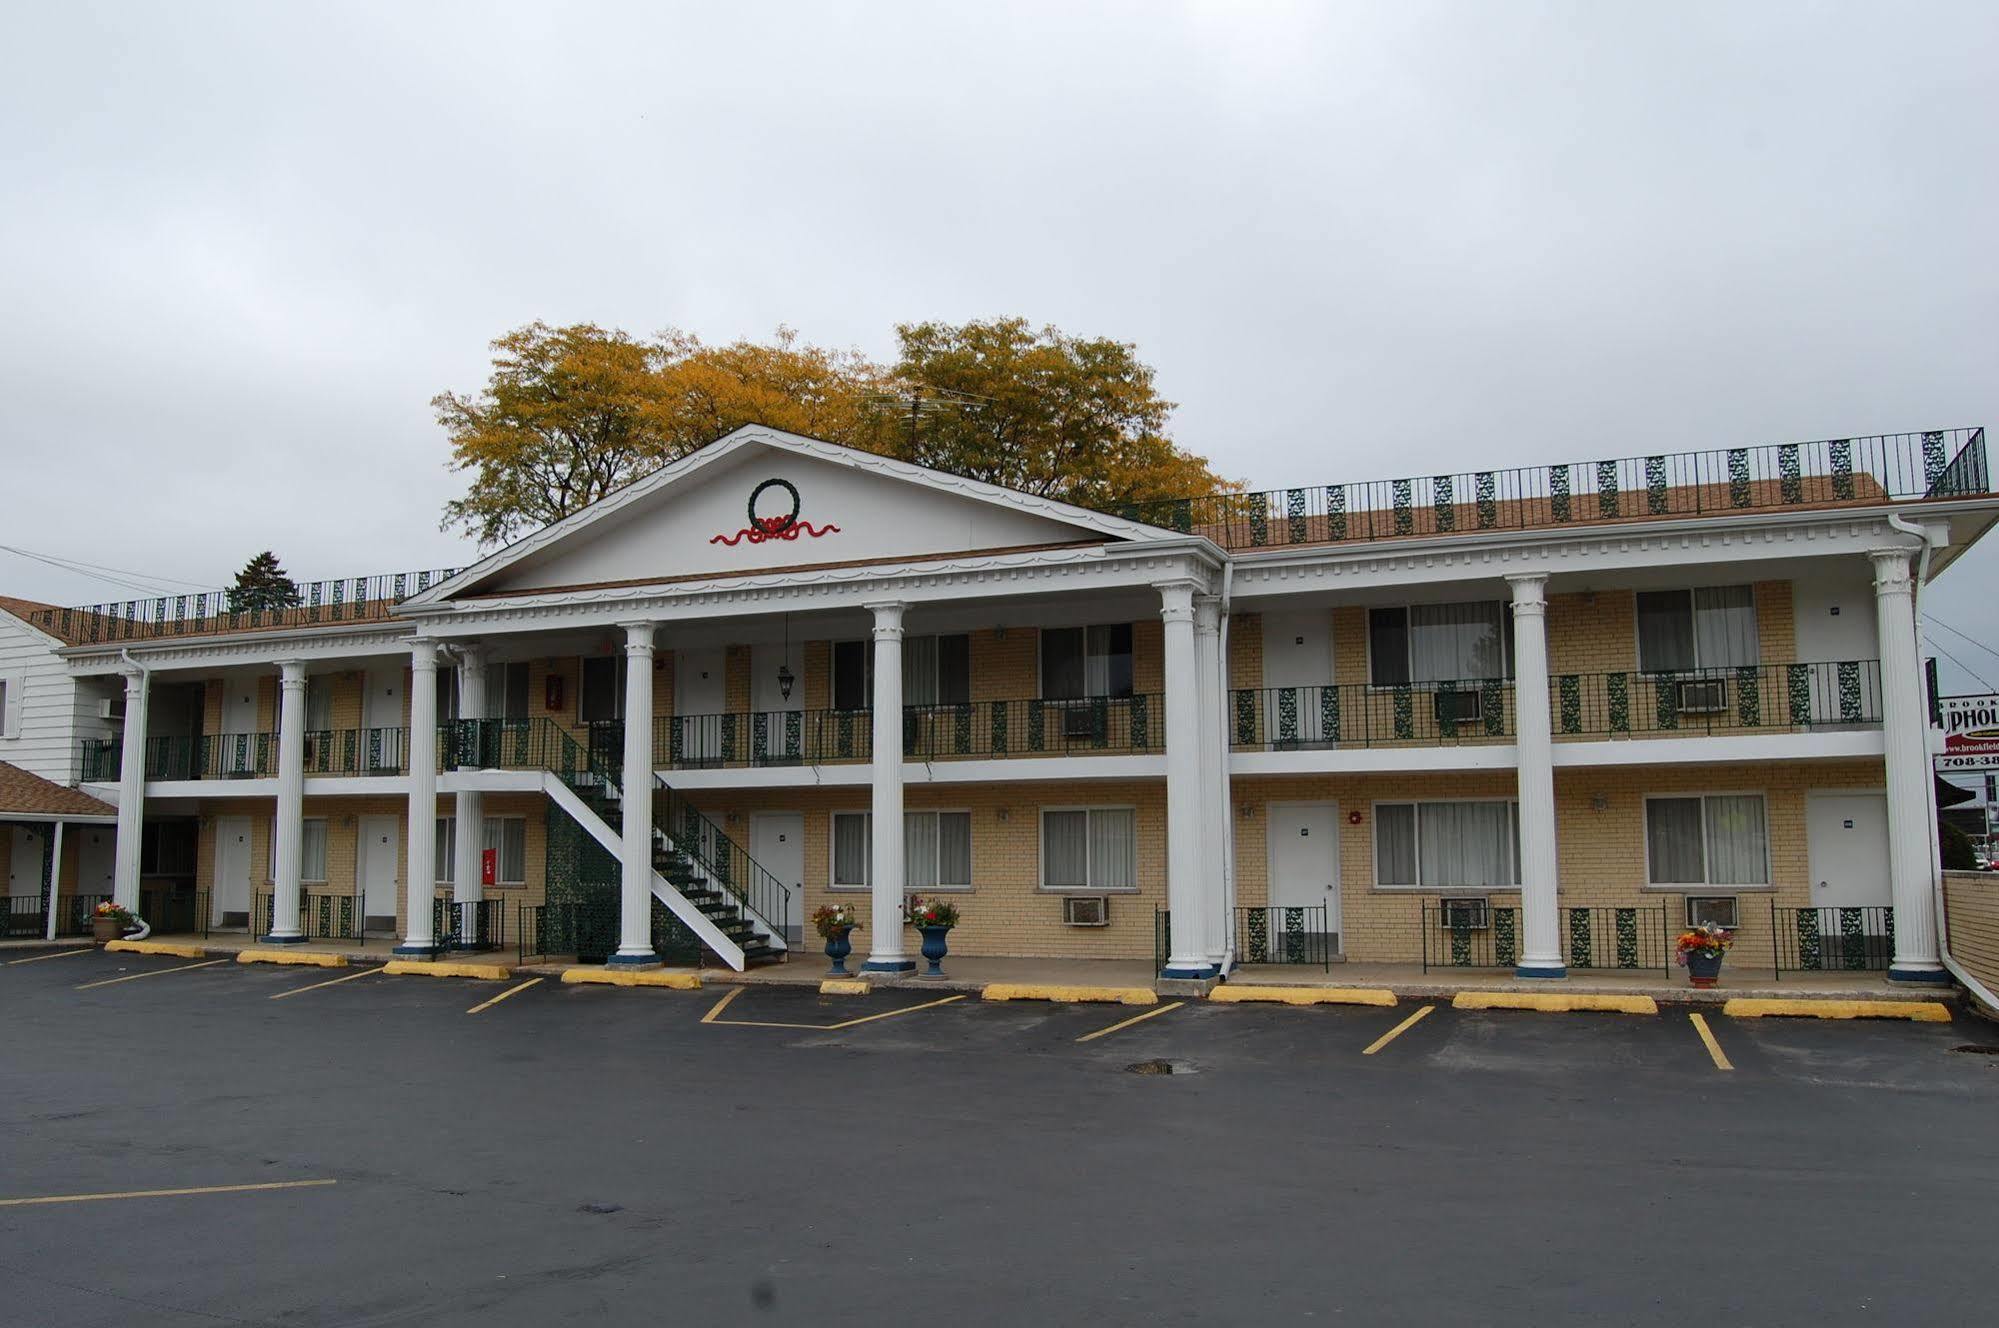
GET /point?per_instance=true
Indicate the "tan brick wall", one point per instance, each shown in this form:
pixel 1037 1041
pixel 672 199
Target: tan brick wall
pixel 1245 650
pixel 1593 632
pixel 1971 905
pixel 1601 857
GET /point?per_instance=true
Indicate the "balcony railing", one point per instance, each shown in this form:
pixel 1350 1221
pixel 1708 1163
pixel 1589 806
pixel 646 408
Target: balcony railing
pixel 1031 727
pixel 102 758
pixel 1362 715
pixel 1939 463
pixel 364 751
pixel 343 600
pixel 1701 701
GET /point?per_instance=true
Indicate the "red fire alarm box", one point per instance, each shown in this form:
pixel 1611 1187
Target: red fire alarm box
pixel 489 866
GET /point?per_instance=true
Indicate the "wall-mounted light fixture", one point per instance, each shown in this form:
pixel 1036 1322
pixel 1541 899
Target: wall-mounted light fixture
pixel 784 675
pixel 1599 802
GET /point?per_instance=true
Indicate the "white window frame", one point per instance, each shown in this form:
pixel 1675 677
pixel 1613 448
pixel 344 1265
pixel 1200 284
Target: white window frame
pixel 1374 848
pixel 1700 668
pixel 868 818
pixel 447 844
pixel 1507 631
pixel 304 870
pixel 13 698
pixel 1041 669
pixel 1041 851
pixel 1768 882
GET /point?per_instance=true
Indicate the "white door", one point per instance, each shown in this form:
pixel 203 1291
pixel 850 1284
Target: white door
pixel 24 868
pixel 1304 874
pixel 230 897
pixel 1297 669
pixel 783 719
pixel 777 842
pixel 239 727
pixel 382 720
pixel 380 838
pixel 1847 837
pixel 700 694
pixel 97 861
pixel 1835 625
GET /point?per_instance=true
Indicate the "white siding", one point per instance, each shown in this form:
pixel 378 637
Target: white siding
pixel 43 698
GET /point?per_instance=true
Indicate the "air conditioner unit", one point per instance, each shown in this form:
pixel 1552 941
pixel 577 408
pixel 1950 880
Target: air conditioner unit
pixel 1464 914
pixel 1701 696
pixel 1086 911
pixel 111 707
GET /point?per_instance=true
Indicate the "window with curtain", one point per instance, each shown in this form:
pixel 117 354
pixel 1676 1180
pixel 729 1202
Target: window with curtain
pixel 1712 840
pixel 1681 631
pixel 1447 845
pixel 1440 643
pixel 311 854
pixel 1082 662
pixel 936 670
pixel 318 703
pixel 936 850
pixel 445 850
pixel 601 698
pixel 1093 848
pixel 507 835
pixel 507 690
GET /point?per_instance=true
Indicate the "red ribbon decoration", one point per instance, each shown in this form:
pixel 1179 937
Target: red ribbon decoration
pixel 774 528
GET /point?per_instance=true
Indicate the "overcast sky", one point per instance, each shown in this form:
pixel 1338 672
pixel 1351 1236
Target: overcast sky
pixel 242 246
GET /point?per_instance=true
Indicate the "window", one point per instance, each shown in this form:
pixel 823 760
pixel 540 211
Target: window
pixel 936 850
pixel 167 848
pixel 507 691
pixel 311 850
pixel 10 706
pixel 508 835
pixel 1714 840
pixel 1082 662
pixel 447 695
pixel 1716 909
pixel 1447 845
pixel 1680 631
pixel 936 670
pixel 1092 849
pixel 601 699
pixel 318 704
pixel 1439 643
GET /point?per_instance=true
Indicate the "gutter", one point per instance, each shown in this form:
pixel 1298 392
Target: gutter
pixel 1228 782
pixel 1965 979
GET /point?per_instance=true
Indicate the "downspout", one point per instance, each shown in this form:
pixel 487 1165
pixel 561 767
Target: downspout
pixel 1228 782
pixel 1970 983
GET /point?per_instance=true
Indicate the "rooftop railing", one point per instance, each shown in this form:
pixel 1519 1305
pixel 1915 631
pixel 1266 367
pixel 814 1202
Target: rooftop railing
pixel 1939 463
pixel 201 613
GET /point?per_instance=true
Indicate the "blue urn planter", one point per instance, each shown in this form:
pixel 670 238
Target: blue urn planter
pixel 1703 969
pixel 838 947
pixel 934 949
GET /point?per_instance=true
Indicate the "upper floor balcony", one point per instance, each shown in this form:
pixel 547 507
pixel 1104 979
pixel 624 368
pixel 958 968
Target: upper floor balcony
pixel 1906 467
pixel 343 600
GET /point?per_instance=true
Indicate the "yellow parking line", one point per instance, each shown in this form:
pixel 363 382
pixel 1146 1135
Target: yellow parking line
pixel 721 1005
pixel 60 955
pixel 1397 1031
pixel 134 977
pixel 164 1194
pixel 330 982
pixel 890 1014
pixel 511 991
pixel 1713 1047
pixel 1135 1019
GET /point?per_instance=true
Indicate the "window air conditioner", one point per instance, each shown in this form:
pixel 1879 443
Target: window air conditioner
pixel 111 707
pixel 1086 911
pixel 1464 914
pixel 1701 696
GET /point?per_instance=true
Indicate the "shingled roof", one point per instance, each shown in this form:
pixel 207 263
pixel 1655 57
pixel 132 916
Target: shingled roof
pixel 25 796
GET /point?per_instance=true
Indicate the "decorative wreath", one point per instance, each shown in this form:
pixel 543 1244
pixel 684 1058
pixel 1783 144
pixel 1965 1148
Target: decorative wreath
pixel 772 525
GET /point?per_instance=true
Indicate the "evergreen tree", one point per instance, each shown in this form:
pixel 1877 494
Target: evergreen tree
pixel 262 584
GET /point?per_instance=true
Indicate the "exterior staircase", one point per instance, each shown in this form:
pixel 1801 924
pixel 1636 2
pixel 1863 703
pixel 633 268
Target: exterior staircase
pixel 702 877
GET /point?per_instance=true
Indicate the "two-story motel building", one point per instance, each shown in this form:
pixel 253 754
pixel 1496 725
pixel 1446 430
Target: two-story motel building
pixel 1535 719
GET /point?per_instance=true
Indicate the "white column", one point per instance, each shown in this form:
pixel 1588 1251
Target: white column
pixel 635 896
pixel 290 831
pixel 886 954
pixel 1214 784
pixel 469 810
pixel 1540 939
pixel 419 889
pixel 1905 725
pixel 1186 867
pixel 131 793
pixel 55 883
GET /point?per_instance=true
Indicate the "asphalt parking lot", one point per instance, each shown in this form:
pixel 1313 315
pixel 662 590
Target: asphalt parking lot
pixel 571 1154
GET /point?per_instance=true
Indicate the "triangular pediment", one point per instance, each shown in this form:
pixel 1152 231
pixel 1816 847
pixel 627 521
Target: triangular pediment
pixel 761 499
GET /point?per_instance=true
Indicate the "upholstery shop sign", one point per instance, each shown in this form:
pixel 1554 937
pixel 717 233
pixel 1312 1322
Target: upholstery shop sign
pixel 1970 733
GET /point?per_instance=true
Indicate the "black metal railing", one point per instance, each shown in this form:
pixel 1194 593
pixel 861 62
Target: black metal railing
pixel 311 603
pixel 1617 937
pixel 100 760
pixel 321 917
pixel 1286 934
pixel 1761 696
pixel 1021 727
pixel 176 910
pixel 24 918
pixel 524 744
pixel 1936 463
pixel 1831 939
pixel 1362 715
pixel 1470 934
pixel 721 859
pixel 479 924
pixel 584 923
pixel 361 751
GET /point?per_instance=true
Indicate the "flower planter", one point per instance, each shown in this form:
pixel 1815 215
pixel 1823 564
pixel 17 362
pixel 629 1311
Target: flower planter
pixel 838 947
pixel 106 929
pixel 934 949
pixel 1703 969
